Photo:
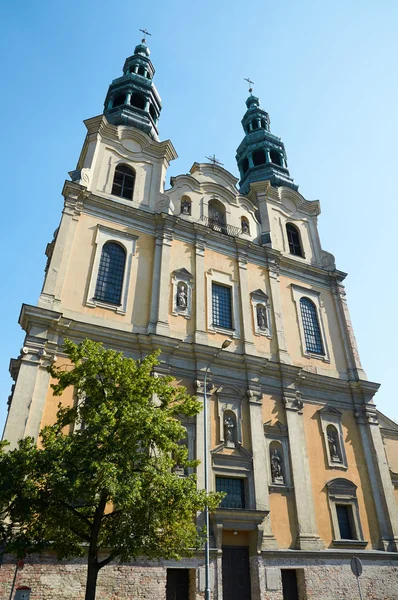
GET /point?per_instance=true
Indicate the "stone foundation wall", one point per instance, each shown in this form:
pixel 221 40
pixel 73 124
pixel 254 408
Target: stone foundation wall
pixel 318 579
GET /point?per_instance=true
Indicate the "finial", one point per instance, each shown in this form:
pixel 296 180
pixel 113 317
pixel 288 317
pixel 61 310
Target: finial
pixel 214 160
pixel 250 82
pixel 145 32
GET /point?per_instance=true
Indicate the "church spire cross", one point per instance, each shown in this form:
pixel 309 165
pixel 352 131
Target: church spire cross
pixel 145 32
pixel 250 82
pixel 214 160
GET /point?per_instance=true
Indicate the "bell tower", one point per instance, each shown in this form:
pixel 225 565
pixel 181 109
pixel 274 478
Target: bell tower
pixel 261 155
pixel 133 99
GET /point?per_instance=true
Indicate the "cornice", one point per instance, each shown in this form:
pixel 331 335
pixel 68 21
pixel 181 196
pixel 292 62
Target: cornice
pixel 329 553
pixel 213 168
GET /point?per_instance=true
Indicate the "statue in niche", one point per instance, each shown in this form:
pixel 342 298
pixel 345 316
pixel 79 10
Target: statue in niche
pixel 245 226
pixel 333 446
pixel 182 297
pixel 229 431
pixel 185 206
pixel 261 316
pixel 276 467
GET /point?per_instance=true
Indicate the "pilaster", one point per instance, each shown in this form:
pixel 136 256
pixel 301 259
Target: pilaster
pixel 50 296
pixel 379 475
pixel 247 327
pixel 159 314
pixel 273 269
pixel 200 286
pixel 308 538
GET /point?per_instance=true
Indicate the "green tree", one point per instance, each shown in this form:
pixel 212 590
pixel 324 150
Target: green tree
pixel 101 483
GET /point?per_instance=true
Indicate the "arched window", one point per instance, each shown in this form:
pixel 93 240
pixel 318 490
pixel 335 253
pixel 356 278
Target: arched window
pixel 293 237
pixel 254 124
pixel 312 331
pixel 119 100
pixel 138 101
pixel 244 224
pixel 259 158
pixel 152 112
pixel 141 71
pixel 123 182
pixel 110 274
pixel 263 124
pixel 244 165
pixel 275 157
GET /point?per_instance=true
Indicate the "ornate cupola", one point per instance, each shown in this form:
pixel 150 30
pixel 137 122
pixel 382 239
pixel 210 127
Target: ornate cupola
pixel 261 155
pixel 133 99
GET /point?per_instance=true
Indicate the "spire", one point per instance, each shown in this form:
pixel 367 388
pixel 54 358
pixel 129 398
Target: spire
pixel 261 156
pixel 133 99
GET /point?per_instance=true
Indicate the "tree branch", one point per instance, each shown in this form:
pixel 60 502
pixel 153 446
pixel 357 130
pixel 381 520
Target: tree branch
pixel 106 561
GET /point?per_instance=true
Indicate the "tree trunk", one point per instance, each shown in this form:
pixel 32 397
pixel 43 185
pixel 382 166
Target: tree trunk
pixel 91 583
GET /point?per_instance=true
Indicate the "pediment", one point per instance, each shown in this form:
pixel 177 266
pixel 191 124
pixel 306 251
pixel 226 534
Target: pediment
pixel 182 274
pixel 259 294
pixel 387 423
pixel 330 410
pixel 229 391
pixel 294 201
pixel 239 451
pixel 275 429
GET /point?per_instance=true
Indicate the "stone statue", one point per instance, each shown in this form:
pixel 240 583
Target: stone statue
pixel 261 317
pixel 276 468
pixel 182 297
pixel 229 434
pixel 245 226
pixel 334 453
pixel 185 207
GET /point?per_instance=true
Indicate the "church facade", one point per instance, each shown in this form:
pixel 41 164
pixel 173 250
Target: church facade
pixel 308 464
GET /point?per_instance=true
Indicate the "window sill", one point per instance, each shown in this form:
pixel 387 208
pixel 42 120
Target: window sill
pixel 322 357
pixel 98 304
pixel 336 465
pixel 281 488
pixel 350 543
pixel 230 332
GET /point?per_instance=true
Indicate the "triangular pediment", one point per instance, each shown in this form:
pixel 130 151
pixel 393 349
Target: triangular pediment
pixel 237 451
pixel 229 391
pixel 276 428
pixel 260 294
pixel 330 410
pixel 183 274
pixel 387 423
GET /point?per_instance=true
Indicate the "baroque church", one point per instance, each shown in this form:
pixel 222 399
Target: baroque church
pixel 229 279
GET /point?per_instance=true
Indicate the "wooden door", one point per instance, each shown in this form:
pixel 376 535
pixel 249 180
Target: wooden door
pixel 236 573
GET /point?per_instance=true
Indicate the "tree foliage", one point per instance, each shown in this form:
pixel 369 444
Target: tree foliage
pixel 101 483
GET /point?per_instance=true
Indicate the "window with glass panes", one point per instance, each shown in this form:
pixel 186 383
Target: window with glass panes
pixel 110 274
pixel 312 332
pixel 293 237
pixel 235 491
pixel 221 306
pixel 123 182
pixel 344 518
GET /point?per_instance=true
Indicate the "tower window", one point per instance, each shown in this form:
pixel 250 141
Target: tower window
pixel 119 100
pixel 221 306
pixel 141 71
pixel 254 124
pixel 293 237
pixel 312 332
pixel 244 165
pixel 123 182
pixel 152 112
pixel 275 157
pixel 235 491
pixel 110 274
pixel 138 101
pixel 259 158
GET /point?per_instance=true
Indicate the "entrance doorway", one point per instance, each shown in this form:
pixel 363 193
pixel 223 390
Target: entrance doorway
pixel 236 573
pixel 177 586
pixel 289 584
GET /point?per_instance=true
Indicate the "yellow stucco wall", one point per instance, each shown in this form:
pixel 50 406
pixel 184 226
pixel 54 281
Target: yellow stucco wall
pixel 182 256
pixel 51 405
pixel 356 472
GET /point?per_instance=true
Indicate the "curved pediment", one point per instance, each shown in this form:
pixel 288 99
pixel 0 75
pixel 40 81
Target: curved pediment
pixel 293 201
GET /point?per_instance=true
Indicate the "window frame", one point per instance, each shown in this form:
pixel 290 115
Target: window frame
pixel 243 492
pixel 225 280
pixel 134 174
pixel 343 492
pixel 128 242
pixel 105 272
pixel 313 295
pixel 298 232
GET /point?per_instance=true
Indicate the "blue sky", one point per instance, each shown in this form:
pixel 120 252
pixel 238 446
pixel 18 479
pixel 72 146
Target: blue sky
pixel 325 71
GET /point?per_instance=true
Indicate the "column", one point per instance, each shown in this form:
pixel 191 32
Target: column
pixel 260 474
pixel 245 308
pixel 379 475
pixel 200 291
pixel 267 156
pixel 308 538
pixel 273 269
pixel 50 296
pixel 128 98
pixel 250 159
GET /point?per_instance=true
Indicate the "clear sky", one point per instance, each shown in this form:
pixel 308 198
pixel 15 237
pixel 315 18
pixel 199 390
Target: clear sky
pixel 324 70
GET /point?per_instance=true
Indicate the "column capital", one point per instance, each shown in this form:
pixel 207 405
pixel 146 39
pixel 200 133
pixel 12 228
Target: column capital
pixel 293 402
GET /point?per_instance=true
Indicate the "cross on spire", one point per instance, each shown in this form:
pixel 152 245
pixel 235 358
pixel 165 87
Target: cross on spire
pixel 250 82
pixel 145 32
pixel 214 160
